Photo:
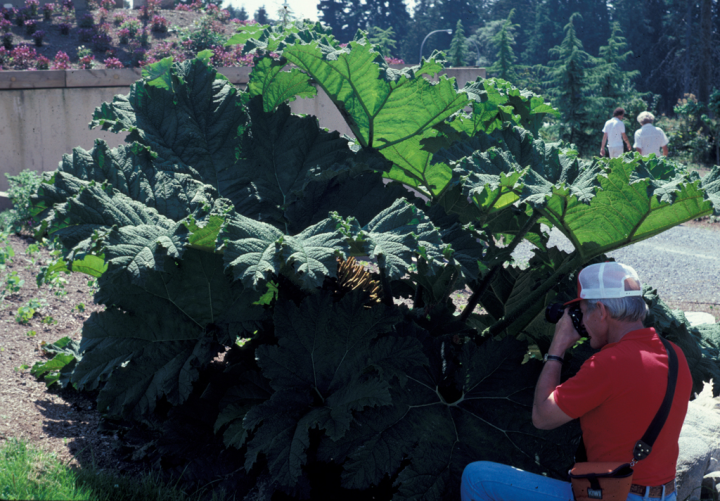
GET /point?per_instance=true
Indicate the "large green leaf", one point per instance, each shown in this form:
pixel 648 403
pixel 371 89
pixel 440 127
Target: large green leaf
pixel 321 374
pixel 369 94
pixel 631 205
pixel 397 235
pixel 196 123
pixel 276 86
pixel 429 435
pixel 255 250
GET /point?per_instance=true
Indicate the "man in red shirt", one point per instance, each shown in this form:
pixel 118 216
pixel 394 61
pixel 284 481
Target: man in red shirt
pixel 615 394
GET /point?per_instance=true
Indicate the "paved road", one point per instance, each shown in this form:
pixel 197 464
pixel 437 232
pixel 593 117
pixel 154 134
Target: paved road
pixel 683 263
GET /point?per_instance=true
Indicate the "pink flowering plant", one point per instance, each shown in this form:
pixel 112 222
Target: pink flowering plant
pixel 32 7
pixel 23 57
pixel 118 18
pixel 42 63
pixel 113 62
pixel 5 25
pixel 30 27
pixel 48 9
pixel 61 62
pixel 124 35
pixel 86 62
pixel 132 25
pixel 159 24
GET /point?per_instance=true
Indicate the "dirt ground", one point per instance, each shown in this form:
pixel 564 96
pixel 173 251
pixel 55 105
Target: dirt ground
pixel 63 421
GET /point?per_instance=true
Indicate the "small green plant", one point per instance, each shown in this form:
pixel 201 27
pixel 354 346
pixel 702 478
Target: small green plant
pixel 31 333
pixel 6 254
pixel 21 368
pixel 80 307
pixel 14 283
pixel 27 312
pixel 48 320
pixel 32 249
pixel 21 188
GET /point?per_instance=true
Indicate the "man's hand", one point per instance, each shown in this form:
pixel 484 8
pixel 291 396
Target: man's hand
pixel 546 415
pixel 565 335
pixel 602 152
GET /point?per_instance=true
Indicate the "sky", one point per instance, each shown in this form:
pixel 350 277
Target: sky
pixel 302 8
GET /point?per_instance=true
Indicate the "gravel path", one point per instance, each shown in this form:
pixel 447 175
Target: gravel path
pixel 683 264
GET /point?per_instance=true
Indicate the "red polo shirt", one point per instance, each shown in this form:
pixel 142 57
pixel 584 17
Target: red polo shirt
pixel 617 392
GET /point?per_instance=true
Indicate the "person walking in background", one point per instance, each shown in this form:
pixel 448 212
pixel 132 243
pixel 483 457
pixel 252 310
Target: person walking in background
pixel 614 135
pixel 649 139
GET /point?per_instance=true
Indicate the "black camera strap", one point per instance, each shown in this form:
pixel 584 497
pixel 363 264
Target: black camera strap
pixel 643 447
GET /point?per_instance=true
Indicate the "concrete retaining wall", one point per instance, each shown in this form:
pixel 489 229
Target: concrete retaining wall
pixel 46 113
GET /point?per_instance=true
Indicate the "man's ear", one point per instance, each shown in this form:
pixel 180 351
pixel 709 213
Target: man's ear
pixel 604 315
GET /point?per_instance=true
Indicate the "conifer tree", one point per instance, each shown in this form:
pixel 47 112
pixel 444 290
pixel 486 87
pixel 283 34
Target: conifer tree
pixel 614 83
pixel 458 53
pixel 384 40
pixel 570 84
pixel 242 14
pixel 261 15
pixel 503 42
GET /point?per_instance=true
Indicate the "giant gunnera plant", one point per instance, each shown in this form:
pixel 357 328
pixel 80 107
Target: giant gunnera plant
pixel 244 345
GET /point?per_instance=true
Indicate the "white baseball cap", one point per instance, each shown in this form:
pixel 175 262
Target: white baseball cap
pixel 605 281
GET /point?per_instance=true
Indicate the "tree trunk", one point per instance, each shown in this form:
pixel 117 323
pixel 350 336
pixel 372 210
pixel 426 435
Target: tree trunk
pixel 706 49
pixel 688 39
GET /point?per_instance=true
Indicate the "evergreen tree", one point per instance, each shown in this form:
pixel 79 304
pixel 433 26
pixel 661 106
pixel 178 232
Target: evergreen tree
pixel 458 53
pixel 261 15
pixel 613 82
pixel 384 40
pixel 503 42
pixel 331 13
pixel 388 14
pixel 242 14
pixel 570 84
pixel 547 32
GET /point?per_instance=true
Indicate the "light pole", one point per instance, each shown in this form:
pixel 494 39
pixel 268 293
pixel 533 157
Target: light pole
pixel 449 32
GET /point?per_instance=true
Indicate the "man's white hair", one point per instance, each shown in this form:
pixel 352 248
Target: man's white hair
pixel 645 117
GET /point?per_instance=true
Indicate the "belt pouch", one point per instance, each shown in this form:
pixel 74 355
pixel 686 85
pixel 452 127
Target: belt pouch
pixel 606 481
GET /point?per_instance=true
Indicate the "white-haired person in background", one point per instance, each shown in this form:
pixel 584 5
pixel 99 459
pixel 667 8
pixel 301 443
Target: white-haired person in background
pixel 649 139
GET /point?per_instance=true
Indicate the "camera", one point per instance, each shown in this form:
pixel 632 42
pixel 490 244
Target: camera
pixel 554 312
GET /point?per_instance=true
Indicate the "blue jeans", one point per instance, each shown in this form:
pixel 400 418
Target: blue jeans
pixel 486 481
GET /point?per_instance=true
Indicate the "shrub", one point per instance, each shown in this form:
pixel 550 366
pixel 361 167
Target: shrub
pixel 64 28
pixel 207 34
pixel 102 15
pixel 159 24
pixel 107 4
pixel 132 25
pixel 113 62
pixel 4 56
pixel 144 37
pixel 21 188
pixel 32 6
pixel 161 50
pixel 38 37
pixel 233 56
pixel 23 57
pixel 68 5
pixel 118 18
pixel 101 42
pixel 42 63
pixel 137 55
pixel 5 25
pixel 104 28
pixel 20 17
pixel 61 62
pixel 87 20
pixel 86 34
pixel 48 9
pixel 86 62
pixel 7 40
pixel 298 348
pixel 7 14
pixel 124 35
pixel 30 27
